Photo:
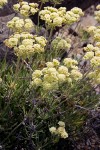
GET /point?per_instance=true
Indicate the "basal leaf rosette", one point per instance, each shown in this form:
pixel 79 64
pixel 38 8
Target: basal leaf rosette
pixel 25 45
pixel 3 2
pixel 20 25
pixel 55 74
pixel 54 17
pixel 25 8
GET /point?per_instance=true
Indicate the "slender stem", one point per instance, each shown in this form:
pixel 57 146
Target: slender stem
pixel 28 66
pixel 17 68
pixel 37 29
pixel 78 106
pixel 50 36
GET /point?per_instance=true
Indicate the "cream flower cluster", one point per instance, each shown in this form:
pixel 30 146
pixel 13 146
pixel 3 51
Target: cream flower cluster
pixel 95 76
pixel 61 44
pixel 19 25
pixel 54 75
pixel 2 3
pixel 25 44
pixel 25 8
pixel 57 17
pixel 95 32
pixel 93 54
pixel 73 15
pixel 60 131
pixel 97 13
pixel 95 61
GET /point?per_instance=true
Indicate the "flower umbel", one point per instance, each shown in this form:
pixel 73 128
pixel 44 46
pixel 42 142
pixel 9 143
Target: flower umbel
pixel 60 131
pixel 25 8
pixel 2 3
pixel 25 44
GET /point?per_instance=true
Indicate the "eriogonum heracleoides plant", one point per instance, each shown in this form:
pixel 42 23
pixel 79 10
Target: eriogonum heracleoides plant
pixel 55 89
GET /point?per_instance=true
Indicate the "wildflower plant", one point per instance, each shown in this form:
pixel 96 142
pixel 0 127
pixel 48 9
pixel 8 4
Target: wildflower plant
pixel 45 96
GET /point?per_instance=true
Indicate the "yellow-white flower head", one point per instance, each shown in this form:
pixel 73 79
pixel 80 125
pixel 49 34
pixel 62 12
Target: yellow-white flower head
pixel 11 42
pixel 37 82
pixel 98 6
pixel 98 44
pixel 63 70
pixel 36 74
pixel 49 64
pixel 25 8
pixel 61 78
pixel 95 61
pixel 76 75
pixel 54 75
pixel 53 130
pixel 97 53
pixel 91 29
pixel 64 135
pixel 19 25
pixel 61 44
pixel 56 62
pixel 77 10
pixel 95 76
pixel 89 47
pixel 69 62
pixel 60 131
pixel 25 44
pixel 88 55
pixel 2 3
pixel 57 17
pixel 61 124
pixel 97 13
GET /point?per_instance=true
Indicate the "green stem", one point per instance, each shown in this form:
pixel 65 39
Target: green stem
pixel 50 36
pixel 17 68
pixel 37 29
